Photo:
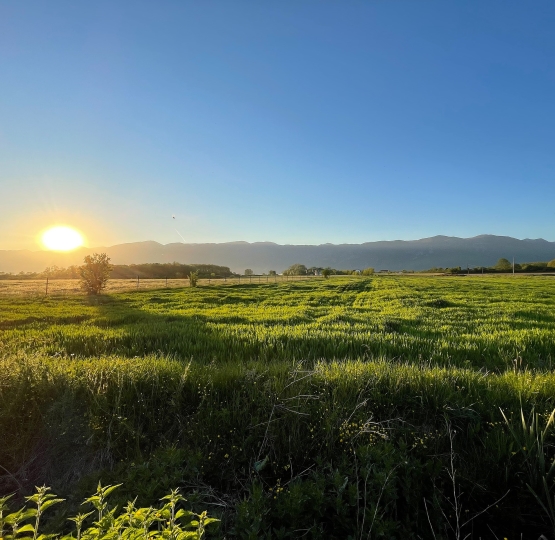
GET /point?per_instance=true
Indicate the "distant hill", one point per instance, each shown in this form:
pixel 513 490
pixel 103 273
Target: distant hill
pixel 437 251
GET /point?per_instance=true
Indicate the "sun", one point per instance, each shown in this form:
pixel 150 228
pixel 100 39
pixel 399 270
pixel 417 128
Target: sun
pixel 62 238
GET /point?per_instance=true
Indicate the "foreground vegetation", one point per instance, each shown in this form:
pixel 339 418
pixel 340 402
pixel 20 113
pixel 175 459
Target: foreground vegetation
pixel 169 521
pixel 349 408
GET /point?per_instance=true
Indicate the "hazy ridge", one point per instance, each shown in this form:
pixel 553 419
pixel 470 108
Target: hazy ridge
pixel 437 251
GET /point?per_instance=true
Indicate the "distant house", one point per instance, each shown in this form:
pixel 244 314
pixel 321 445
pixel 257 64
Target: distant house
pixel 383 272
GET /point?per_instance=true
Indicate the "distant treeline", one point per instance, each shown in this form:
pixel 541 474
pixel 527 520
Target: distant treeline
pixel 176 270
pixel 302 270
pixel 132 271
pixel 169 270
pixel 502 266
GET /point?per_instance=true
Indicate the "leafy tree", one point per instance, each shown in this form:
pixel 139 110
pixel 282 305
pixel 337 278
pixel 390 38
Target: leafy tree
pixel 95 272
pixel 551 264
pixel 296 270
pixel 503 264
pixel 368 271
pixel 249 272
pixel 326 272
pixel 272 273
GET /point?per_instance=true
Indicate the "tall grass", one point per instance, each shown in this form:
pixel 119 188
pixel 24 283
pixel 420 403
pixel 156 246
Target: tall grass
pixel 281 409
pixel 285 430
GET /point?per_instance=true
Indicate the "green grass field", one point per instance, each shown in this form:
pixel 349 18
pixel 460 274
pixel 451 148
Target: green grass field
pixel 315 409
pixel 482 323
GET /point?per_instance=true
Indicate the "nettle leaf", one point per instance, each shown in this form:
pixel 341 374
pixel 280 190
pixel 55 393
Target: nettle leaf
pixel 174 497
pixel 20 515
pixel 183 513
pixel 46 536
pixel 26 528
pixel 109 489
pixel 187 534
pixel 5 499
pixel 50 503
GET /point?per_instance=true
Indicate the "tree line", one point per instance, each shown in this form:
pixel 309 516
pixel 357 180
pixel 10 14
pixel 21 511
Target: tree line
pixel 302 270
pixel 502 266
pixel 132 271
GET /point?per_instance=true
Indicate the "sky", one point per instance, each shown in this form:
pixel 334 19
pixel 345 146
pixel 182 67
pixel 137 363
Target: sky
pixel 297 122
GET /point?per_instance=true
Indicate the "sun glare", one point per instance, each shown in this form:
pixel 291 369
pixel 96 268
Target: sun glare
pixel 62 238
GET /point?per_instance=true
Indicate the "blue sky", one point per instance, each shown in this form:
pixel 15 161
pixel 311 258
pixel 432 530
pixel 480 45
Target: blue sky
pixel 292 121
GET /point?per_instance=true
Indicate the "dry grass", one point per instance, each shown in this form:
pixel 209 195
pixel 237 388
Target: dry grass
pixel 62 287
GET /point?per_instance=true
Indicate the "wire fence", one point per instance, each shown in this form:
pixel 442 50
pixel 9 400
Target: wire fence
pixel 61 287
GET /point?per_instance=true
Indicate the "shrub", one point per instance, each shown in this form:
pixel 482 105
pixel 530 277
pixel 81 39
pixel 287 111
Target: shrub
pixel 95 272
pixel 368 271
pixel 193 279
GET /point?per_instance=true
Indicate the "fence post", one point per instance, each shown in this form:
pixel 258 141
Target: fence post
pixel 46 287
pixel 137 282
pixel 166 281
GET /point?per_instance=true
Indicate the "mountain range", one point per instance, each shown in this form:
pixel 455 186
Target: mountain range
pixel 437 251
